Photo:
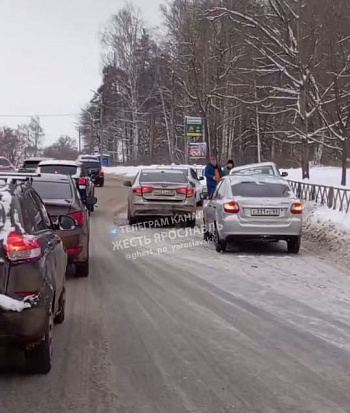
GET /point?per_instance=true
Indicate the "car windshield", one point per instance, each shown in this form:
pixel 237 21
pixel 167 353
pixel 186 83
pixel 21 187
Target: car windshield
pixel 91 164
pixel 59 169
pixel 261 190
pixel 53 190
pixel 261 170
pixel 4 162
pixel 163 176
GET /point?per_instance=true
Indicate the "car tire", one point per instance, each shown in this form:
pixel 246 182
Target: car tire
pixel 102 183
pixel 220 245
pixel 38 359
pixel 294 245
pixel 131 220
pixel 82 269
pixel 191 223
pixel 61 315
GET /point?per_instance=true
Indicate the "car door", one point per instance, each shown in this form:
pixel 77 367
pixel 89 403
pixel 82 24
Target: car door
pixel 41 227
pixel 211 206
pixel 197 183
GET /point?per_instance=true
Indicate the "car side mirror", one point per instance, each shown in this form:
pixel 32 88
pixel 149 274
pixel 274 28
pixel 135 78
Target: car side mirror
pixel 90 200
pixel 204 196
pixel 127 183
pixel 66 223
pixel 284 174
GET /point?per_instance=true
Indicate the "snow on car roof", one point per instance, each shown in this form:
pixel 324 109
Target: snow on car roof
pixel 256 178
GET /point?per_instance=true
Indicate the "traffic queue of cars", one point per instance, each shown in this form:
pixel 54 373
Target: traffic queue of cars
pixel 45 210
pixel 254 202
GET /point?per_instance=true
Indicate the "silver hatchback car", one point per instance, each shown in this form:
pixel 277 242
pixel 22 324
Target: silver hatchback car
pixel 161 193
pixel 253 207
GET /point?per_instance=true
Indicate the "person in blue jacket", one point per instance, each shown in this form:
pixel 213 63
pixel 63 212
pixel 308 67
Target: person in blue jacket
pixel 213 173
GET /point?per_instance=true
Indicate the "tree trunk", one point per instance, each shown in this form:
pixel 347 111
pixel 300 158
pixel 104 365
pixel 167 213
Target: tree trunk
pixel 305 165
pixel 344 161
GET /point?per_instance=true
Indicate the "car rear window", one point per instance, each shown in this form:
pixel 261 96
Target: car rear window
pixel 177 177
pixel 263 170
pixel 261 190
pixel 58 169
pixel 91 164
pixel 4 162
pixel 53 190
pixel 30 164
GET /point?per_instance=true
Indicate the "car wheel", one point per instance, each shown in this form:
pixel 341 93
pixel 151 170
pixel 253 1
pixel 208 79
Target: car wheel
pixel 191 223
pixel 38 358
pixel 200 203
pixel 220 245
pixel 102 183
pixel 62 309
pixel 131 220
pixel 82 269
pixel 294 245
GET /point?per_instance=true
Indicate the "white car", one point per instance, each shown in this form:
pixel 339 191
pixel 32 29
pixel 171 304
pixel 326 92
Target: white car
pixel 263 168
pixel 195 181
pixel 255 207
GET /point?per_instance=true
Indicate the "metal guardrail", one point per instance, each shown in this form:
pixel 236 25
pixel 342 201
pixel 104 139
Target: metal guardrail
pixel 333 197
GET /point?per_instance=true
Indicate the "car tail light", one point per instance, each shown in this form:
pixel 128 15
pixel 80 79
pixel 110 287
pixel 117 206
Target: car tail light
pixel 101 171
pixel 74 250
pixel 189 192
pixel 82 181
pixel 297 208
pixel 78 216
pixel 24 294
pixel 231 207
pixel 22 247
pixel 144 189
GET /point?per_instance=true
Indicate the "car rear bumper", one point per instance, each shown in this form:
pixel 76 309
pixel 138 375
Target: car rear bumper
pixel 232 228
pixel 26 327
pixel 163 209
pixel 75 239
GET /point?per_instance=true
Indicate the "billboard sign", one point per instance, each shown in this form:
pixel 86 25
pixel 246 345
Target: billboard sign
pixel 197 150
pixel 194 126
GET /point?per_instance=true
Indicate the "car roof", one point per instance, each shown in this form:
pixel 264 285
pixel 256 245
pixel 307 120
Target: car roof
pixel 272 179
pixel 36 158
pixel 254 165
pixel 160 169
pixel 59 162
pixel 56 178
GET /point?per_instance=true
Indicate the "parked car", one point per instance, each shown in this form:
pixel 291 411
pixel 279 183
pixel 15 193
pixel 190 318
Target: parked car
pixel 5 165
pixel 192 177
pixel 32 271
pixel 264 168
pixel 161 193
pixel 74 169
pixel 31 164
pixel 253 207
pixel 61 197
pixel 94 170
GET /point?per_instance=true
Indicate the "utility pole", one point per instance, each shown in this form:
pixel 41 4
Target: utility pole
pixel 79 143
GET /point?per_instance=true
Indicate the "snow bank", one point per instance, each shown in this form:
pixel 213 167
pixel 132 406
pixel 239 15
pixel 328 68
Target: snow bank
pixel 330 230
pixel 320 175
pixel 9 304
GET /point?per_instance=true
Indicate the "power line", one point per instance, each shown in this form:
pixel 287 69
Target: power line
pixel 56 115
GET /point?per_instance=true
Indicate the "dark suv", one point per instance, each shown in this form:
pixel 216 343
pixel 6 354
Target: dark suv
pixel 95 171
pixel 61 197
pixel 32 272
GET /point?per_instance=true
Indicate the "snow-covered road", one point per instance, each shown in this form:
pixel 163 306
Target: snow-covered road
pixel 184 329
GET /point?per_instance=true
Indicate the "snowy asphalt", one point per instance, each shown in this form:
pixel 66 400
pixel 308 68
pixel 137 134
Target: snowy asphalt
pixel 170 326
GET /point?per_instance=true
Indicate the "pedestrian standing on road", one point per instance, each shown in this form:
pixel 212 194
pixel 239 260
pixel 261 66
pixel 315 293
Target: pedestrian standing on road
pixel 213 174
pixel 230 164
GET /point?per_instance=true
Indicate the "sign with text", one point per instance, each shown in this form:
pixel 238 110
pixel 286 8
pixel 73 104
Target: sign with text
pixel 194 126
pixel 197 150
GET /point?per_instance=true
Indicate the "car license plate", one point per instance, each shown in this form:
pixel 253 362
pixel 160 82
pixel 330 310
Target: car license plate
pixel 164 192
pixel 261 212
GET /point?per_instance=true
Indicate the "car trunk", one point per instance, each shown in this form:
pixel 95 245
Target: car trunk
pixel 164 192
pixel 265 210
pixel 56 207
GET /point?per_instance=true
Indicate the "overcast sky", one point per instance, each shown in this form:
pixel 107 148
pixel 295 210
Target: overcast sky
pixel 50 57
